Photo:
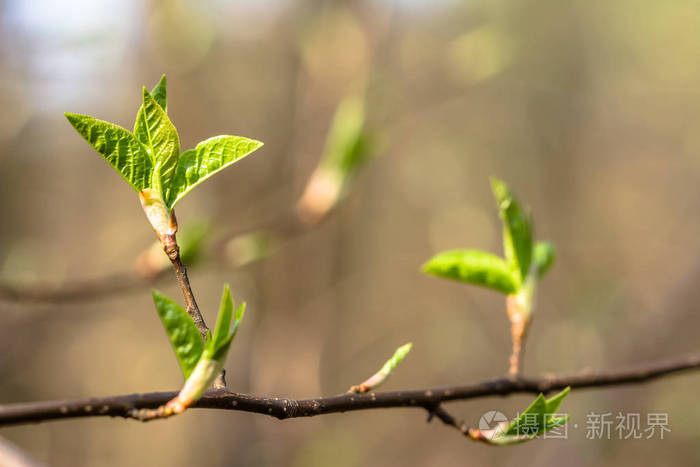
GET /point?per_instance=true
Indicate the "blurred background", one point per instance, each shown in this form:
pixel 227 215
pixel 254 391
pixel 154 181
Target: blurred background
pixel 382 122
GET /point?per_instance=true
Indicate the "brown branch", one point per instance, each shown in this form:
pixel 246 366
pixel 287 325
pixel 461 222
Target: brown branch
pixel 287 226
pixel 75 291
pixel 448 419
pixel 191 304
pixel 430 399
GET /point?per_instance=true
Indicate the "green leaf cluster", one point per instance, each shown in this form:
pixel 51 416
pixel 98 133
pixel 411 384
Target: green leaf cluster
pixel 185 338
pixel 539 418
pixel 150 158
pixel 524 258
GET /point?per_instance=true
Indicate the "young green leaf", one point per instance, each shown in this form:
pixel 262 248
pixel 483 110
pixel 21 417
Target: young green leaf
pixel 160 93
pixel 217 345
pixel 543 256
pixel 223 321
pixel 539 417
pixel 475 267
pixel 158 135
pixel 555 401
pixel 118 147
pixel 218 350
pixel 182 332
pixel 535 421
pixel 210 156
pixel 517 231
pixel 395 359
pixel 384 372
pixel 213 357
pixel 531 420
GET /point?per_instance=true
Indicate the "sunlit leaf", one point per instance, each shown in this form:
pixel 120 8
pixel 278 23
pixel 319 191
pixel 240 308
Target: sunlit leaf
pixel 475 267
pixel 160 93
pixel 517 231
pixel 182 332
pixel 158 135
pixel 210 156
pixel 118 147
pixel 150 157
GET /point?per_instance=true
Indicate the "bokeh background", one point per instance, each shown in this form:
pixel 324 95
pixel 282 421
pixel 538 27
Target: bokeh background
pixel 589 109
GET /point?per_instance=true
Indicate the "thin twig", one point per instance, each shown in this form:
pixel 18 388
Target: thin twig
pixel 193 309
pixel 76 291
pixel 287 226
pixel 430 399
pixel 448 419
pixel 191 304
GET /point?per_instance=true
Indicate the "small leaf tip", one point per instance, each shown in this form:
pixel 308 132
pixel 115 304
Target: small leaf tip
pixel 226 294
pixel 499 188
pixel 240 312
pixel 72 118
pixel 429 266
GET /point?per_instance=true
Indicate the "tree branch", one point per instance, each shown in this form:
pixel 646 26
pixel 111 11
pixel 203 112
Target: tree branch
pixel 191 304
pixel 76 291
pixel 286 226
pixel 430 399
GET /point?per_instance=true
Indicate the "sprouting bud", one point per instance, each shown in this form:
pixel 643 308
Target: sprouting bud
pixel 162 220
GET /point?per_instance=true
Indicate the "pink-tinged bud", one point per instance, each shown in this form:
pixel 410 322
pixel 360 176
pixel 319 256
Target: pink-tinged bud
pixel 201 378
pixel 321 194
